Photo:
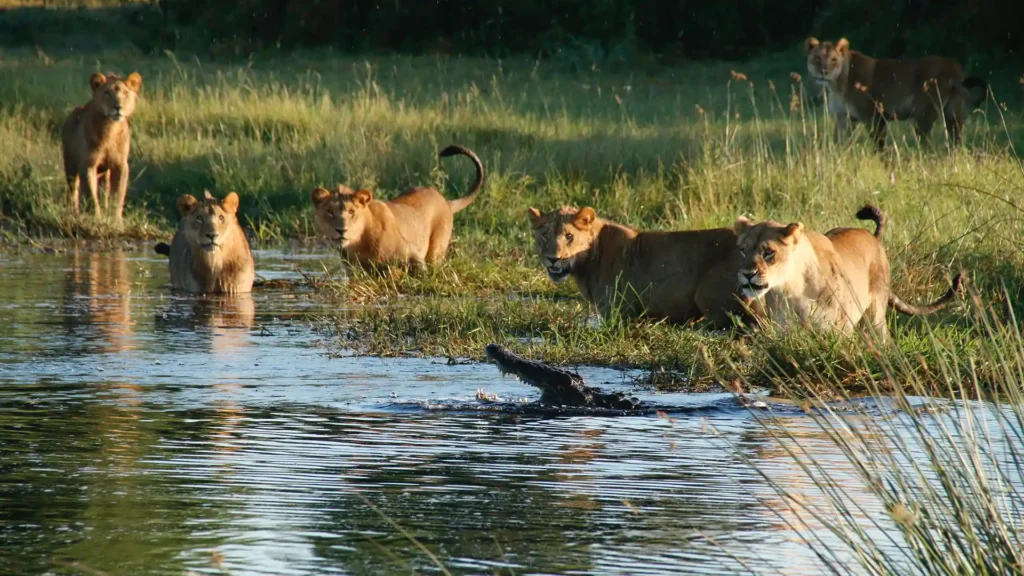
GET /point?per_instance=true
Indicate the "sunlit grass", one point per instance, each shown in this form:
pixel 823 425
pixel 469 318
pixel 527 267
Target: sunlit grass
pixel 945 478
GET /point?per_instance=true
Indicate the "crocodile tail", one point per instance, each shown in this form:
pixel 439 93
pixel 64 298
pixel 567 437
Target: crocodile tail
pixel 872 213
pixel 911 310
pixel 462 203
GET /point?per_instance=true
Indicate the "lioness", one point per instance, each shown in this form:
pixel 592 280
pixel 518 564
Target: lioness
pixel 876 90
pixel 413 228
pixel 831 280
pixel 209 253
pixel 95 140
pixel 678 276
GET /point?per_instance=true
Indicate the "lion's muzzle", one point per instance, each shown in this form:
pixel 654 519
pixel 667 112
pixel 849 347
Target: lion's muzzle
pixel 557 269
pixel 752 284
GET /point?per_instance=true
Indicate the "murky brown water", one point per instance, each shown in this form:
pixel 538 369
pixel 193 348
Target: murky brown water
pixel 142 432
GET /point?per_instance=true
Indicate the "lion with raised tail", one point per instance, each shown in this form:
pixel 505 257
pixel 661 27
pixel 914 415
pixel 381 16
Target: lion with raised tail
pixel 836 280
pixel 96 139
pixel 210 253
pixel 412 229
pixel 875 91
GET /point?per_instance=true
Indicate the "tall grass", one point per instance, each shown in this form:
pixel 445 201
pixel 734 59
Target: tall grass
pixel 652 147
pixel 945 480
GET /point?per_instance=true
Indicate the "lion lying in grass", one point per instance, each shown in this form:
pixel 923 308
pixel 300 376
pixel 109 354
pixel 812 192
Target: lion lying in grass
pixel 834 280
pixel 679 276
pixel 95 141
pixel 413 228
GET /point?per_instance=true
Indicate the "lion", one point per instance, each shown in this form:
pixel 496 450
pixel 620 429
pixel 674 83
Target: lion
pixel 210 253
pixel 680 276
pixel 877 90
pixel 834 280
pixel 96 139
pixel 414 228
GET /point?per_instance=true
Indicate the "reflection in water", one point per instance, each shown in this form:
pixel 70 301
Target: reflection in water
pixel 143 432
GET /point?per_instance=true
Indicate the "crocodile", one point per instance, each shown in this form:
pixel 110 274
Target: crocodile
pixel 559 387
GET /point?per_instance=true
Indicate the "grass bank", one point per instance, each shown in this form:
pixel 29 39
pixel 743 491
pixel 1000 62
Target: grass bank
pixel 656 148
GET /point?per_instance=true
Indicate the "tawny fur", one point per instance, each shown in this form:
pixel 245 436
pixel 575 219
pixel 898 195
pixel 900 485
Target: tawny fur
pixel 96 139
pixel 210 253
pixel 411 229
pixel 878 90
pixel 837 280
pixel 679 276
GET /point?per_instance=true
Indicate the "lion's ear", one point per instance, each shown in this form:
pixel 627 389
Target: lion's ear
pixel 792 233
pixel 843 46
pixel 319 195
pixel 230 202
pixel 207 195
pixel 186 202
pixel 134 81
pixel 584 218
pixel 363 197
pixel 742 225
pixel 535 216
pixel 97 80
pixel 810 44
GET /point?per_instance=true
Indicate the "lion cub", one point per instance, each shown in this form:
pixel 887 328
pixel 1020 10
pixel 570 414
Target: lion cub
pixel 209 253
pixel 414 228
pixel 96 138
pixel 679 276
pixel 832 280
pixel 876 90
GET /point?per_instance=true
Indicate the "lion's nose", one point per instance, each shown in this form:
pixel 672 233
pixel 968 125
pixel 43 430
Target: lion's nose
pixel 749 275
pixel 211 236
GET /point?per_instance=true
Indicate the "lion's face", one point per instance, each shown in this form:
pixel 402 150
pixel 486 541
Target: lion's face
pixel 209 224
pixel 825 60
pixel 560 236
pixel 341 214
pixel 115 96
pixel 766 250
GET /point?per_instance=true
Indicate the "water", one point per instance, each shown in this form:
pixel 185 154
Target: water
pixel 142 432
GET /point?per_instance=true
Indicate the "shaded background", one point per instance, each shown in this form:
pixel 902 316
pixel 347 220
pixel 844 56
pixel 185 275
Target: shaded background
pixel 978 32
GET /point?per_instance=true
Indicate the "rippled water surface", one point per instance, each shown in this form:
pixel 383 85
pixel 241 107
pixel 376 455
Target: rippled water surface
pixel 142 432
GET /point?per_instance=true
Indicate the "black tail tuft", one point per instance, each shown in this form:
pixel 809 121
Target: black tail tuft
pixel 163 248
pixel 462 203
pixel 872 213
pixel 977 82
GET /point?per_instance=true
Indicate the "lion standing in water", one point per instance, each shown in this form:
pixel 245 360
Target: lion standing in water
pixel 95 141
pixel 679 276
pixel 210 253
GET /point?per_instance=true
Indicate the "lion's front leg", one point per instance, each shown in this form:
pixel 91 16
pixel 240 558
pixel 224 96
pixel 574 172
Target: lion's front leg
pixel 90 180
pixel 119 179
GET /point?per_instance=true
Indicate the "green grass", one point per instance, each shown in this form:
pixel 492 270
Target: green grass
pixel 653 147
pixel 931 488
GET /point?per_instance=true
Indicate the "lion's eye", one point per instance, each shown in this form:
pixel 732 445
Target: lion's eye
pixel 351 212
pixel 769 254
pixel 568 237
pixel 221 218
pixel 199 219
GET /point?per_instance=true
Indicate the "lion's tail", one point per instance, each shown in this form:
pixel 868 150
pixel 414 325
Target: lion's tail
pixel 465 201
pixel 976 82
pixel 911 310
pixel 872 213
pixel 162 248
